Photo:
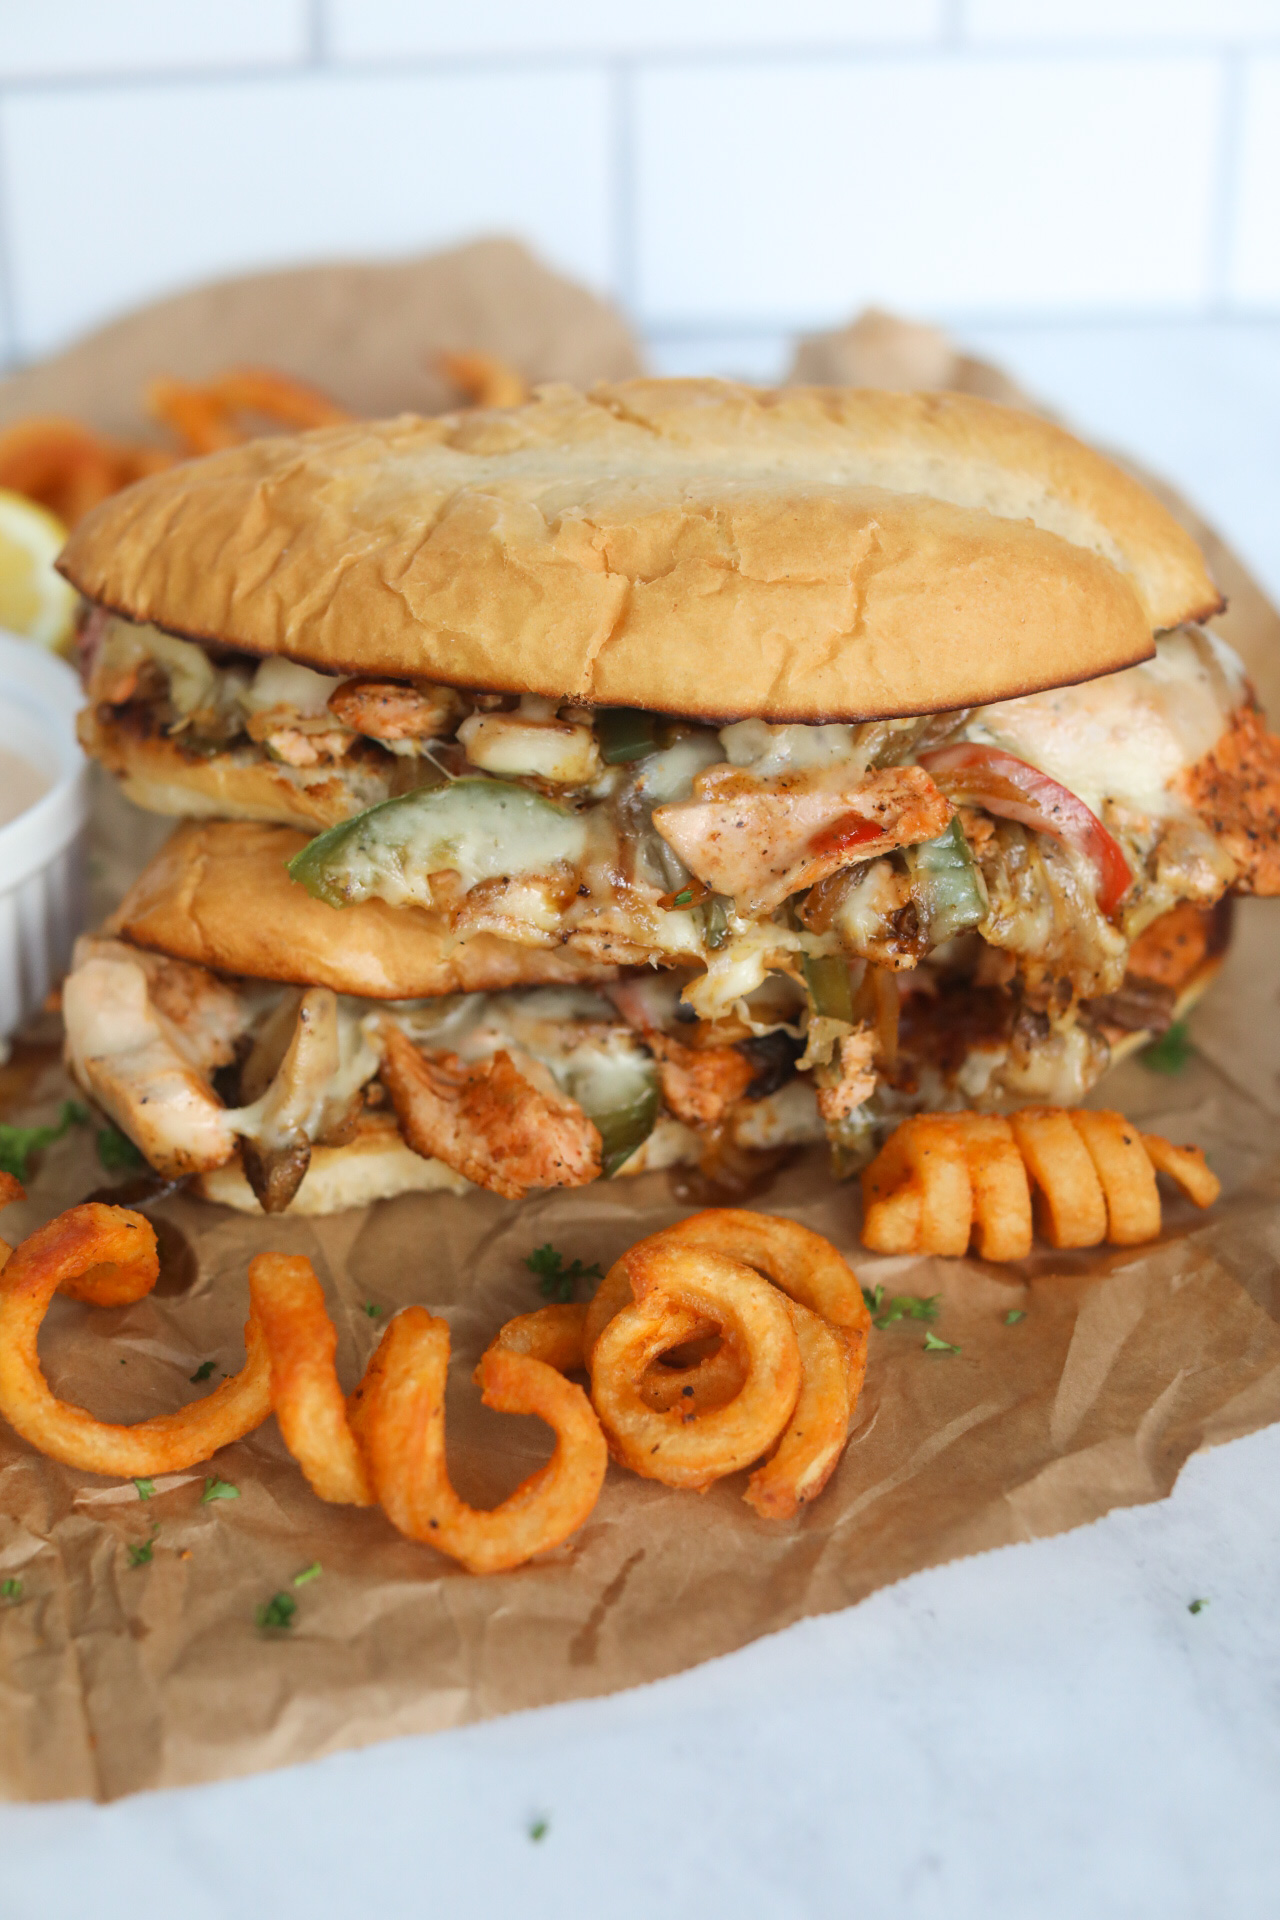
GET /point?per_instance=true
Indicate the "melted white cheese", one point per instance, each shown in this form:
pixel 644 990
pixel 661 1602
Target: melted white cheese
pixel 1127 736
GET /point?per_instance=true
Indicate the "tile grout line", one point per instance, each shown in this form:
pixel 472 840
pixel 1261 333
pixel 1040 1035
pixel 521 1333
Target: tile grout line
pixel 1226 185
pixel 11 357
pixel 317 47
pixel 623 164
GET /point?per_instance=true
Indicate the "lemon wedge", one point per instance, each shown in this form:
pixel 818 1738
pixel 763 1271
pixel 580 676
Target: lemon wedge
pixel 34 600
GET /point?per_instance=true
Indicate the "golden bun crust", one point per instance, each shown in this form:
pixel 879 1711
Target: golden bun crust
pixel 218 893
pixel 240 784
pixel 691 546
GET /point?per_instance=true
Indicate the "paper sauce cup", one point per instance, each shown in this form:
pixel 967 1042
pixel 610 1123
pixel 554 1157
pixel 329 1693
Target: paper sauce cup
pixel 42 850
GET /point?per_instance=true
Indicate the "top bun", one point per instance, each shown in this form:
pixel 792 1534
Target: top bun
pixel 691 546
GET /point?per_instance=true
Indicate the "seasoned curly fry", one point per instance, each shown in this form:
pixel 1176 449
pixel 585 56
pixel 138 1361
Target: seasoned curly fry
pixel 551 1334
pixel 486 380
pixel 288 1303
pixel 107 1256
pixel 1092 1176
pixel 70 468
pixel 677 1290
pixel 401 1427
pixel 208 416
pixel 1070 1206
pixel 1186 1166
pixel 814 1438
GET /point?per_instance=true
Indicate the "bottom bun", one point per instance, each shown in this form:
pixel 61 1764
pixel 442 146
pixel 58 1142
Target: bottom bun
pixel 1201 980
pixel 376 1165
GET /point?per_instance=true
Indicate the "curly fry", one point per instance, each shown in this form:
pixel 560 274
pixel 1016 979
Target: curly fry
pixel 1185 1165
pixel 1070 1206
pixel 209 416
pixel 486 380
pixel 107 1256
pixel 288 1303
pixel 925 1156
pixel 814 1438
pixel 401 1427
pixel 69 468
pixel 1092 1176
pixel 550 1334
pixel 677 1290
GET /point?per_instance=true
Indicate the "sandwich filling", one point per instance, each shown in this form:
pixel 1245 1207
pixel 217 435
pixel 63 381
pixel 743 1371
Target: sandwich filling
pixel 964 908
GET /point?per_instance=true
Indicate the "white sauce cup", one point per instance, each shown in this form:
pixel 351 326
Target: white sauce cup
pixel 42 851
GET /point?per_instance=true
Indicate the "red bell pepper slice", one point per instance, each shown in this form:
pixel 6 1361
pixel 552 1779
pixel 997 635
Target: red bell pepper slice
pixel 1012 788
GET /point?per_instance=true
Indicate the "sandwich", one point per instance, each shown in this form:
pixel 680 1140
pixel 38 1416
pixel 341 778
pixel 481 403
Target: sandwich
pixel 674 773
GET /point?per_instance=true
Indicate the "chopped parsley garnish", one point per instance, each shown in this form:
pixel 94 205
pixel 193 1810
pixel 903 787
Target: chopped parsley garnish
pixel 1171 1052
pixel 17 1144
pixel 202 1372
pixel 873 1296
pixel 1013 1316
pixel 684 898
pixel 556 1281
pixel 538 1829
pixel 372 1309
pixel 116 1150
pixel 215 1489
pixel 10 1592
pixel 145 1488
pixel 312 1572
pixel 140 1555
pixel 908 1306
pixel 932 1344
pixel 1197 1606
pixel 276 1613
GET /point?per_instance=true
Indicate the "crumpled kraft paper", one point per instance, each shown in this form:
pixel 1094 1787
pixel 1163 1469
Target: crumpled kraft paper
pixel 116 1677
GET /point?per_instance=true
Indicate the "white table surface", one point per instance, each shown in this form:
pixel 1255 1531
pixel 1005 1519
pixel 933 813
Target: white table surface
pixel 1042 1731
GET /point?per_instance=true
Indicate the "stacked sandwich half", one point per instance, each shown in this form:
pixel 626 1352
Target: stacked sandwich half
pixel 674 773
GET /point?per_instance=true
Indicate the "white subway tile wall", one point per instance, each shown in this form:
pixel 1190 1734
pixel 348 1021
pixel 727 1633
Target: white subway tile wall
pixel 727 169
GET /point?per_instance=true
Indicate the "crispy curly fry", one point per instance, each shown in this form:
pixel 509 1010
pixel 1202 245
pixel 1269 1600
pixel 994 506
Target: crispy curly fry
pixel 486 380
pixel 925 1155
pixel 288 1304
pixel 814 1438
pixel 551 1334
pixel 1186 1166
pixel 209 416
pixel 1092 1176
pixel 69 468
pixel 107 1256
pixel 401 1427
pixel 678 1289
pixel 11 1190
pixel 1125 1174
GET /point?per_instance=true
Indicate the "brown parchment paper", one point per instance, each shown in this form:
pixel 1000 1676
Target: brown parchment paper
pixel 115 1677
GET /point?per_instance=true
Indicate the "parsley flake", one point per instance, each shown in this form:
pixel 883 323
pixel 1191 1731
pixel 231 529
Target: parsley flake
pixel 684 898
pixel 140 1554
pixel 372 1309
pixel 1197 1606
pixel 538 1829
pixel 10 1592
pixel 909 1306
pixel 1171 1052
pixel 145 1488
pixel 932 1344
pixel 312 1572
pixel 556 1281
pixel 873 1296
pixel 116 1150
pixel 202 1372
pixel 1013 1316
pixel 216 1489
pixel 276 1613
pixel 17 1144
